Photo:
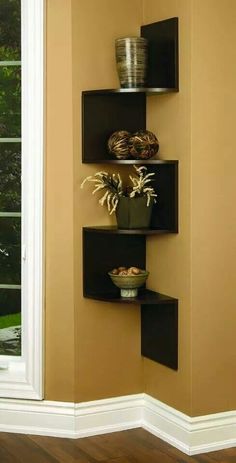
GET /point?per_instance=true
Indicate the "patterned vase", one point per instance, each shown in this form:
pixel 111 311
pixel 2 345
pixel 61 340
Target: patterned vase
pixel 131 60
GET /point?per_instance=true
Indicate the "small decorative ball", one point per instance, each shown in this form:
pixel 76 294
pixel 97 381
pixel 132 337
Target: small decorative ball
pixel 123 272
pixel 115 271
pixel 143 145
pixel 118 144
pixel 134 271
pixel 121 269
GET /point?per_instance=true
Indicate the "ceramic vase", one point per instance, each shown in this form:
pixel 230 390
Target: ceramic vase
pixel 131 60
pixel 133 213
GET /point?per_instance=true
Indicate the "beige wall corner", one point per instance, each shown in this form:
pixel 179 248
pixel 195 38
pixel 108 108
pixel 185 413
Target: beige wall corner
pixel 168 257
pixel 59 347
pixel 213 206
pixel 198 265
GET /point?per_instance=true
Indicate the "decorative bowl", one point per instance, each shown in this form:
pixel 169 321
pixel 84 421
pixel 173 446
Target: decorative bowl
pixel 129 284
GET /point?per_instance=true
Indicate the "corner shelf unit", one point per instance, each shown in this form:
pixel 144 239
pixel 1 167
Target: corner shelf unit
pixel 106 247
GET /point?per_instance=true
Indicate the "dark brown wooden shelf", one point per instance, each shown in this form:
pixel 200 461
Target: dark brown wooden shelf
pixel 130 161
pixel 122 231
pixel 105 111
pixel 147 91
pixel 145 296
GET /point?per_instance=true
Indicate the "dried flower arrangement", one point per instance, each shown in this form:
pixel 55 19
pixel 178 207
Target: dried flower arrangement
pixel 113 185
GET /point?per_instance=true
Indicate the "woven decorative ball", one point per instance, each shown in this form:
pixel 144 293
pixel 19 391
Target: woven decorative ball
pixel 118 144
pixel 143 145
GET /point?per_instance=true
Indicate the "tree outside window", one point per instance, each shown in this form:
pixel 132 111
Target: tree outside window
pixel 10 177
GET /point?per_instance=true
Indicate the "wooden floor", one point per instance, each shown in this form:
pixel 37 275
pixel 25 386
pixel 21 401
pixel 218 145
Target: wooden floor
pixel 133 446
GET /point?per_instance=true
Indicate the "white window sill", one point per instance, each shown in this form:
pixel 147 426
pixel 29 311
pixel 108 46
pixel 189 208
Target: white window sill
pixel 12 370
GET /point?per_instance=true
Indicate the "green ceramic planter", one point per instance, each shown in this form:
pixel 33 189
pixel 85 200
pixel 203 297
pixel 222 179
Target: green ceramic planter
pixel 133 213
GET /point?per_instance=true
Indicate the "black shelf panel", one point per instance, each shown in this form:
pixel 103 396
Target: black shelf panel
pixel 145 296
pixel 163 53
pixel 159 332
pixel 145 90
pixel 130 161
pixel 121 231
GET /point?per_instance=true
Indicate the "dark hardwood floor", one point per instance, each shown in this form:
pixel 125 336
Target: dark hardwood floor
pixel 133 446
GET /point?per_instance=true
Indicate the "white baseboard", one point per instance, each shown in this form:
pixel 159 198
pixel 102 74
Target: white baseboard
pixel 191 435
pixel 65 419
pixel 109 415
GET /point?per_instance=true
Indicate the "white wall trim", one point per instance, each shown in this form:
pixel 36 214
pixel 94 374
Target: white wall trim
pixel 109 415
pixel 191 435
pixel 33 21
pixel 65 419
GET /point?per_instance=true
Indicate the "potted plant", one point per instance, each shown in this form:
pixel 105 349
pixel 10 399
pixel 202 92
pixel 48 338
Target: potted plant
pixel 132 203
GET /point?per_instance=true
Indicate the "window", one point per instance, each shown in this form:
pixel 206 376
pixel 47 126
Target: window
pixel 10 177
pixel 21 197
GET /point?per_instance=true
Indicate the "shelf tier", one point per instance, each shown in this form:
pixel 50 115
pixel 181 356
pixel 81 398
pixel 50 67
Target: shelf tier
pixel 147 91
pixel 106 249
pixel 159 323
pixel 103 252
pixel 165 211
pixel 145 296
pixel 130 161
pixel 110 229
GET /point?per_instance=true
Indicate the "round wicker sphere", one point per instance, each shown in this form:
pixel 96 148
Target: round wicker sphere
pixel 118 144
pixel 143 145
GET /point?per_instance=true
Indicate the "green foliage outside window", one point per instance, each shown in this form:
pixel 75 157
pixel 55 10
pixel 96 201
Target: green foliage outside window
pixel 10 177
pixel 10 101
pixel 10 30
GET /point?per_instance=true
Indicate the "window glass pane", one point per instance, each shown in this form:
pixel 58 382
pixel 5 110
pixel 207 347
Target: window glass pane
pixel 10 101
pixel 10 231
pixel 10 30
pixel 10 322
pixel 10 251
pixel 10 260
pixel 10 177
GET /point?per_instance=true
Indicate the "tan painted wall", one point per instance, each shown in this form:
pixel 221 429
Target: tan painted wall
pixel 59 285
pixel 168 257
pixel 198 265
pixel 213 206
pixel 92 345
pixel 108 361
pixel 93 349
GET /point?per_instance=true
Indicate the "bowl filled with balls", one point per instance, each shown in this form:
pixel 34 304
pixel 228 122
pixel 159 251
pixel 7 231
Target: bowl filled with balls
pixel 128 279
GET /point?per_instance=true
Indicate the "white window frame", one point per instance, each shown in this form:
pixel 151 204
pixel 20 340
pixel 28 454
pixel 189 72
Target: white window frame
pixel 22 377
